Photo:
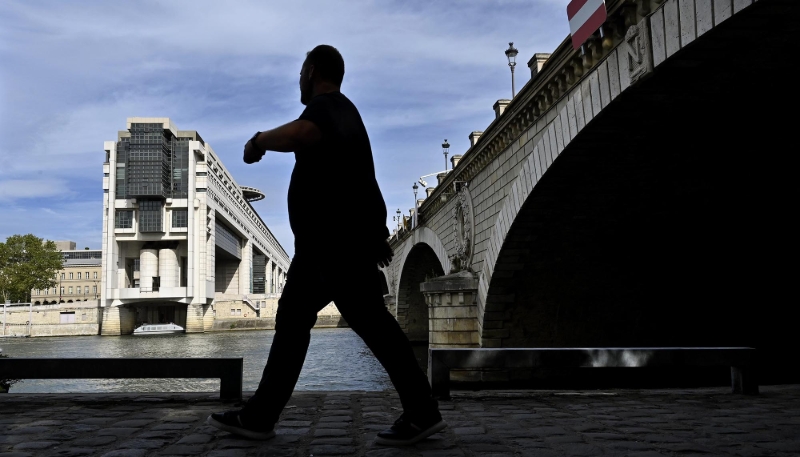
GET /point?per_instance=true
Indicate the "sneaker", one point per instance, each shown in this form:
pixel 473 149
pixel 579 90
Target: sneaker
pixel 404 432
pixel 231 421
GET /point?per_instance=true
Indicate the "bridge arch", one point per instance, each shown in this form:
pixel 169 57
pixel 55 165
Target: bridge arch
pixel 599 215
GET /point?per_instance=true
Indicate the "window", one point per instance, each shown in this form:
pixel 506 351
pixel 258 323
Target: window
pixel 94 289
pixel 62 291
pixel 54 291
pixel 123 219
pixel 70 290
pixel 79 275
pixel 62 276
pixel 150 216
pixel 180 218
pixel 86 290
pixel 95 275
pixel 87 275
pixel 70 276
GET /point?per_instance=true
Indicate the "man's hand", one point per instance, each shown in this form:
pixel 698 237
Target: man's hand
pixel 251 154
pixel 384 254
pixel 286 138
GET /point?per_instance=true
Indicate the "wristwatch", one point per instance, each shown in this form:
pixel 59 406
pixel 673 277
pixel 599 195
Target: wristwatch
pixel 253 141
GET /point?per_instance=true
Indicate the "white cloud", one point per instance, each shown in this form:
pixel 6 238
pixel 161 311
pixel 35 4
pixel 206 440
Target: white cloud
pixel 419 71
pixel 15 189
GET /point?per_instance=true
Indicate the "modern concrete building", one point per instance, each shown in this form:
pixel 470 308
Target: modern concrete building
pixel 180 237
pixel 77 281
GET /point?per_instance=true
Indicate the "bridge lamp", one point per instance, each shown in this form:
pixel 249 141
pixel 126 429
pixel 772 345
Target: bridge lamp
pixel 415 187
pixel 445 151
pixel 397 219
pixel 511 54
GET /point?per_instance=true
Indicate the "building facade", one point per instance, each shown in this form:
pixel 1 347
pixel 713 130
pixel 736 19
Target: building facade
pixel 78 280
pixel 179 234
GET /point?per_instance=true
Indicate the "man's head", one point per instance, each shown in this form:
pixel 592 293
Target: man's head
pixel 323 64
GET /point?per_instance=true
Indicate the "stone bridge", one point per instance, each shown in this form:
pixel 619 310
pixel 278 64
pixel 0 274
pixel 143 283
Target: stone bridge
pixel 633 193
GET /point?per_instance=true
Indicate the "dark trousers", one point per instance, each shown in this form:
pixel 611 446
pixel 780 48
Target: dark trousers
pixel 355 288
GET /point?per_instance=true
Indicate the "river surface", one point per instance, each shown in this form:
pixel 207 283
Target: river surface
pixel 337 360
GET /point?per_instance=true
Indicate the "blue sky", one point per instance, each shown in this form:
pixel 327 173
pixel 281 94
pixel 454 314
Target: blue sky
pixel 72 72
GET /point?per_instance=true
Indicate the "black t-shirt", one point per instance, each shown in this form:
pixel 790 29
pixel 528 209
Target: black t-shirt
pixel 335 203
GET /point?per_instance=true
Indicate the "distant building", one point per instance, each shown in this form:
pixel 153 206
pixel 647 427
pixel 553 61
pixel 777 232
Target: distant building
pixel 179 234
pixel 77 281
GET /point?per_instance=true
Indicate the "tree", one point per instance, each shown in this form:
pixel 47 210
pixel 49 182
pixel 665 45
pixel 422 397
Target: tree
pixel 27 262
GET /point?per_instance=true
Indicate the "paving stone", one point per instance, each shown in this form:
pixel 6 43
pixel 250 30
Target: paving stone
pixel 276 452
pixel 132 423
pixel 96 420
pixel 71 452
pixel 581 449
pixel 332 449
pixel 13 439
pixel 387 452
pixel 141 444
pixel 339 441
pixel 294 423
pixel 329 432
pixel 336 419
pixel 195 439
pixel 227 453
pixel 94 440
pixel 469 430
pixel 183 449
pixel 118 432
pixel 125 453
pixel 31 445
pixel 292 431
pixel 25 430
pixel 171 427
pixel 183 419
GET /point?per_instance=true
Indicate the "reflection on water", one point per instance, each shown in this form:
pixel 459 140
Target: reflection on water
pixel 337 360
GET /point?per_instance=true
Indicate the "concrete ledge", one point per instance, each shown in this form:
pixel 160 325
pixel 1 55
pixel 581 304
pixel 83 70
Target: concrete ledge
pixel 740 359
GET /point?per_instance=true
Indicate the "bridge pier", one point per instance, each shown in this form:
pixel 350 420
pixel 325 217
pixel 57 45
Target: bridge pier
pixel 452 302
pixel 199 318
pixel 117 320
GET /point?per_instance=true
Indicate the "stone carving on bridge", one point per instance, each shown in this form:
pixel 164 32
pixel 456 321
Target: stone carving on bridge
pixel 463 231
pixel 638 51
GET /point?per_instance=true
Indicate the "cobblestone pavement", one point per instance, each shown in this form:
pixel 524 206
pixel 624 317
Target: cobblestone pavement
pixel 641 423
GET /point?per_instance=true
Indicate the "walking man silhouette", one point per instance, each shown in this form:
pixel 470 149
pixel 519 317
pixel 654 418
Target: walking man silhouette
pixel 338 262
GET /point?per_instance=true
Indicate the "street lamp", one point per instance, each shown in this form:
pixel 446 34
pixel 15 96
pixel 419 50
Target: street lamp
pixel 445 151
pixel 397 219
pixel 415 187
pixel 511 53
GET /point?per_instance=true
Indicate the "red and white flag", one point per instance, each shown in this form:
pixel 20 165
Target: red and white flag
pixel 585 17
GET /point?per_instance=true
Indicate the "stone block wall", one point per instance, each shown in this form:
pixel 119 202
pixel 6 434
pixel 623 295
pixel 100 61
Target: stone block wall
pixel 46 319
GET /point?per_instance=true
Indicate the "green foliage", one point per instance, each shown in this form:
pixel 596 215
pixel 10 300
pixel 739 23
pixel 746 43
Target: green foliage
pixel 27 262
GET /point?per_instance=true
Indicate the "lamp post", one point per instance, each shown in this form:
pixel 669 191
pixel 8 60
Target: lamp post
pixel 414 221
pixel 397 219
pixel 445 151
pixel 511 53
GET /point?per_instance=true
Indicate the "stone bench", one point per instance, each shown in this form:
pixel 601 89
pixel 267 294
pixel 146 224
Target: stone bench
pixel 228 370
pixel 740 359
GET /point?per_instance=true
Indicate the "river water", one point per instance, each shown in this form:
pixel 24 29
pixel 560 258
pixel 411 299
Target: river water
pixel 337 360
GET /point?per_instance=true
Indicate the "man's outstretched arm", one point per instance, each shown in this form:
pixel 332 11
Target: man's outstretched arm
pixel 286 138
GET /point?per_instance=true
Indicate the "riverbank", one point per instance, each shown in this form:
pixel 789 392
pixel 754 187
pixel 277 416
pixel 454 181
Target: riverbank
pixel 268 323
pixel 499 423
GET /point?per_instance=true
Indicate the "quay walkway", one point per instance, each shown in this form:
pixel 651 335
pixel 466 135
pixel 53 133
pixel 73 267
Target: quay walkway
pixel 636 423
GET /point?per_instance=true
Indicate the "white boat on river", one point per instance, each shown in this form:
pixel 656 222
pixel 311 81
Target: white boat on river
pixel 158 329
